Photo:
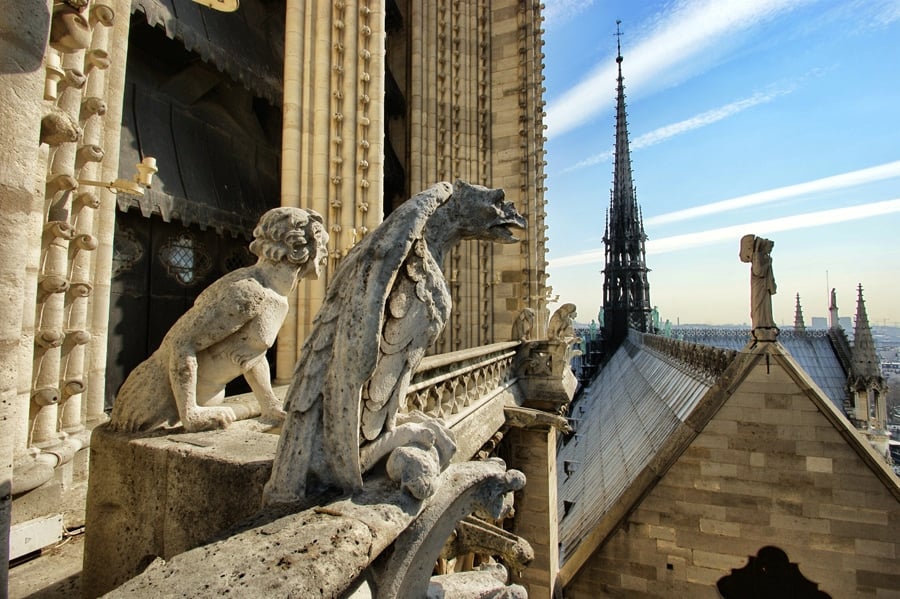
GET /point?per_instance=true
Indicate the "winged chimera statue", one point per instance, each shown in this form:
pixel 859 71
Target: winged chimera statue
pixel 385 306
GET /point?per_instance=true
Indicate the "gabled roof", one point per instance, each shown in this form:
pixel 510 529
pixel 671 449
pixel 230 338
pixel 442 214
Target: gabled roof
pixel 639 416
pixel 813 349
pixel 630 420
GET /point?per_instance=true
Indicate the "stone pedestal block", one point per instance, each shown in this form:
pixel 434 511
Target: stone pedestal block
pixel 163 494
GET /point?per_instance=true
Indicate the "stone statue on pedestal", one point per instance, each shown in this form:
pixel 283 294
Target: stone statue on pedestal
pixel 225 334
pixel 758 252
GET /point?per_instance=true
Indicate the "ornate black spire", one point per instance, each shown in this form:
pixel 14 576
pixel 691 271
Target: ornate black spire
pixel 626 292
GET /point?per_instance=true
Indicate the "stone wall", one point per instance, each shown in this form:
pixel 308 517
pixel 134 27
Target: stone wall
pixel 770 468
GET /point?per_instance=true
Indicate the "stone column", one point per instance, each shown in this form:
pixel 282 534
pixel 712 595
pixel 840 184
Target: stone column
pixel 332 137
pixel 295 15
pixel 105 215
pixel 533 451
pixel 23 38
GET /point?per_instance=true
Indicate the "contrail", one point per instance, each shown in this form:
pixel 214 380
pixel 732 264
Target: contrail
pixel 888 170
pixel 734 232
pixel 691 28
pixel 695 122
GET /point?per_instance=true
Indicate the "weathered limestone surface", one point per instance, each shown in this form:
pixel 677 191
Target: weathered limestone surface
pixel 758 252
pixel 226 333
pixel 160 494
pixel 23 37
pixel 320 552
pixel 775 465
pixel 545 374
pixel 314 553
pixel 386 305
pixel 185 489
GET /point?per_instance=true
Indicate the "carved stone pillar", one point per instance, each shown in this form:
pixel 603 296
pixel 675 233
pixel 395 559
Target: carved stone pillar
pixel 105 215
pixel 532 447
pixel 23 38
pixel 332 137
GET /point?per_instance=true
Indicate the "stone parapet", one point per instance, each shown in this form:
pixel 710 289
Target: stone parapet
pixel 162 494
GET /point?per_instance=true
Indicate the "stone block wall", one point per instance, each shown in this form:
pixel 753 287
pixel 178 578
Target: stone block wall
pixel 770 468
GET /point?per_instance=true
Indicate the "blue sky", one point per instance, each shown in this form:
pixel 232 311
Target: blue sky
pixel 774 117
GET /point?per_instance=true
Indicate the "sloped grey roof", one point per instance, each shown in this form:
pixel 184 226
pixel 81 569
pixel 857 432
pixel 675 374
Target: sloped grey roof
pixel 623 421
pixel 812 349
pixel 647 405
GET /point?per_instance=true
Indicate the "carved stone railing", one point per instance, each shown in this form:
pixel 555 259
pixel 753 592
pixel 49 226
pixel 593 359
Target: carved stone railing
pixel 703 361
pixel 446 384
pixel 737 337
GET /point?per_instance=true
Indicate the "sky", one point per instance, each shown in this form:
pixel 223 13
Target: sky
pixel 779 118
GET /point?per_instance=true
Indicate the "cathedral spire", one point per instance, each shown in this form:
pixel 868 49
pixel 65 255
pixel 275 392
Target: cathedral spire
pixel 867 385
pixel 626 290
pixel 799 325
pixel 864 357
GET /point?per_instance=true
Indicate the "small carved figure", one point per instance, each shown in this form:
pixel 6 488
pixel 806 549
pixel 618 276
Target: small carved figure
pixel 226 333
pixel 522 325
pixel 386 304
pixel 758 252
pixel 562 324
pixel 58 127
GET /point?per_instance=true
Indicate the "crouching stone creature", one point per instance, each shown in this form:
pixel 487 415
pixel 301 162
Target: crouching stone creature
pixel 226 333
pixel 385 306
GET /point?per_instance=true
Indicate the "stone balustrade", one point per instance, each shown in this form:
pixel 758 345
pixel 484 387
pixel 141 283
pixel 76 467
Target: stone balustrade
pixel 701 360
pixel 445 384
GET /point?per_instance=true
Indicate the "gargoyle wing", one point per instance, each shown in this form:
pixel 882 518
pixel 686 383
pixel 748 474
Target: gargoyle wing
pixel 417 308
pixel 343 348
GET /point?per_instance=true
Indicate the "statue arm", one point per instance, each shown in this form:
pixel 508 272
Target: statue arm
pixel 260 381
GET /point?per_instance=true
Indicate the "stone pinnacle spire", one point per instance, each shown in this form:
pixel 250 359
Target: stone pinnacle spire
pixel 864 357
pixel 799 325
pixel 626 290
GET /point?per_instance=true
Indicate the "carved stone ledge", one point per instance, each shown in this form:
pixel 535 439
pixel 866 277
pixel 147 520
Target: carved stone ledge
pixel 447 383
pixel 702 361
pixel 529 418
pixel 545 376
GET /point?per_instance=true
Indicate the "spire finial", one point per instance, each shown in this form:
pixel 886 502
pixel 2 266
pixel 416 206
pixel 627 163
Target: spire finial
pixel 618 41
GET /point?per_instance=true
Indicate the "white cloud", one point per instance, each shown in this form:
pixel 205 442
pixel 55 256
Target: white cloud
pixel 889 170
pixel 735 232
pixel 557 12
pixel 695 122
pixel 775 225
pixel 692 27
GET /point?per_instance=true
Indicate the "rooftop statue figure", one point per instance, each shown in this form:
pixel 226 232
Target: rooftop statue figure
pixel 386 304
pixel 758 252
pixel 523 325
pixel 226 333
pixel 562 324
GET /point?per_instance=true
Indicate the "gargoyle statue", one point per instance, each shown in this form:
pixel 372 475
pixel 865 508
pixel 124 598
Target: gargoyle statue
pixel 386 304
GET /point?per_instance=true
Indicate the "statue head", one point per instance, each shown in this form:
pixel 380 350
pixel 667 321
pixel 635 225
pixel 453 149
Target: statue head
pixel 293 235
pixel 748 244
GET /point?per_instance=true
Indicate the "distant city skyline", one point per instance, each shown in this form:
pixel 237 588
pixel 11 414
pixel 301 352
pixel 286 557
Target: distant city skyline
pixel 772 117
